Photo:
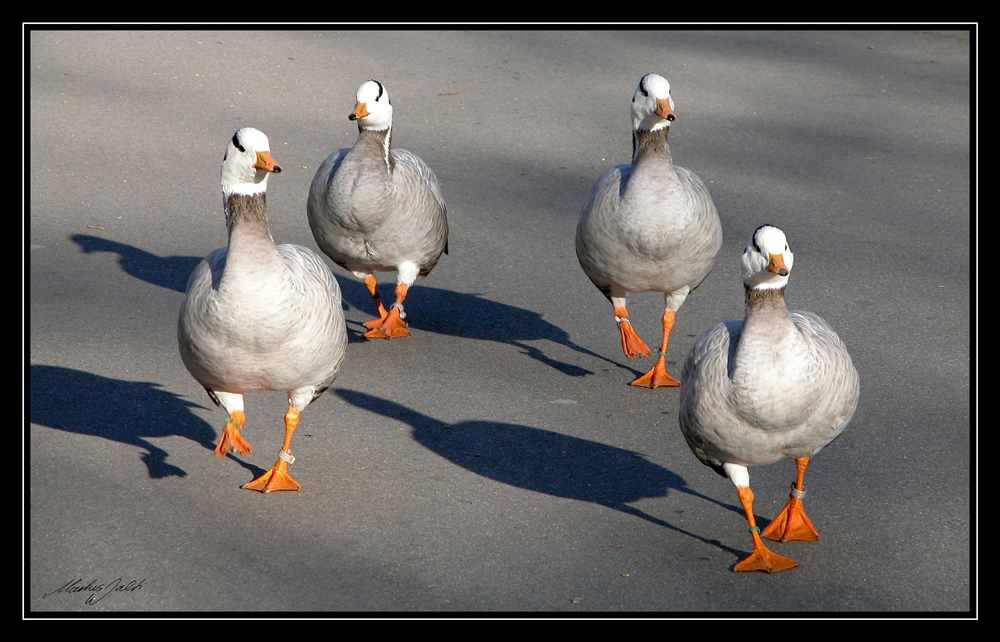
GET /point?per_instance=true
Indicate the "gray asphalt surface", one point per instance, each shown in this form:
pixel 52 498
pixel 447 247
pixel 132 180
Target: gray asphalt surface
pixel 496 461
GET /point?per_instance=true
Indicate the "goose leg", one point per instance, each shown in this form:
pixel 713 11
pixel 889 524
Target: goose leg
pixel 632 345
pixel 657 375
pixel 231 440
pixel 792 522
pixel 371 283
pixel 392 324
pixel 277 478
pixel 762 558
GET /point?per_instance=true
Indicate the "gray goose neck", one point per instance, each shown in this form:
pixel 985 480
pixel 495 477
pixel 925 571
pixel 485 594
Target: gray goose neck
pixel 765 301
pixel 379 140
pixel 645 144
pixel 246 215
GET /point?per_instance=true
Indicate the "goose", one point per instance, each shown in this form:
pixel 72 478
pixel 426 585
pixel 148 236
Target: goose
pixel 260 316
pixel 775 385
pixel 373 207
pixel 649 226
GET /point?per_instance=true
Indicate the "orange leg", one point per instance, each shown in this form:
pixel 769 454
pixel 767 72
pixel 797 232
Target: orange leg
pixel 231 440
pixel 277 478
pixel 391 325
pixel 632 345
pixel 792 522
pixel 370 282
pixel 762 558
pixel 657 376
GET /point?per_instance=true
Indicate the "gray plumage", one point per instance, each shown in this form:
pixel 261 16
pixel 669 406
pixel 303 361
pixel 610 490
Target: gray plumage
pixel 373 207
pixel 260 316
pixel 775 385
pixel 649 225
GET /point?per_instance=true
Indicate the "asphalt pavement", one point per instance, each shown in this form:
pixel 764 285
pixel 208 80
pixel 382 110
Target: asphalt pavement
pixel 495 462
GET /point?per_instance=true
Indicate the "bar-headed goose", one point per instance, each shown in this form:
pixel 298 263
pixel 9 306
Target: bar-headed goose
pixel 649 226
pixel 374 207
pixel 260 316
pixel 775 385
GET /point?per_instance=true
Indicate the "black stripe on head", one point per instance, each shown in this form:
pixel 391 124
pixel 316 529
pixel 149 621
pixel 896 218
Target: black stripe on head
pixel 642 86
pixel 236 142
pixel 754 237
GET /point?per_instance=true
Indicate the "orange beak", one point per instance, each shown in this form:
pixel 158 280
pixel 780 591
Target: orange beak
pixel 266 163
pixel 664 109
pixel 360 111
pixel 776 264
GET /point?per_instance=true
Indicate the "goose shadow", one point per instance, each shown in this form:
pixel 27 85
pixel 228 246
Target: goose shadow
pixel 471 316
pixel 544 461
pixel 128 412
pixel 433 309
pixel 169 272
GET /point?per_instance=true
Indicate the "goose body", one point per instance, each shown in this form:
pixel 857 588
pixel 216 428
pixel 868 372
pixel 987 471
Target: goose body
pixel 374 207
pixel 260 316
pixel 776 385
pixel 649 226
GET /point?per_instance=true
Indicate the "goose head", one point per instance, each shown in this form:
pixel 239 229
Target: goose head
pixel 652 106
pixel 767 261
pixel 247 163
pixel 373 110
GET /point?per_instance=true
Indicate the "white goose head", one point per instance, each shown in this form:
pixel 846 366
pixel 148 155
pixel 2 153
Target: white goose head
pixel 373 110
pixel 767 261
pixel 248 163
pixel 652 106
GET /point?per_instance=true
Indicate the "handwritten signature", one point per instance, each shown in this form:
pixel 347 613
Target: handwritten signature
pixel 97 590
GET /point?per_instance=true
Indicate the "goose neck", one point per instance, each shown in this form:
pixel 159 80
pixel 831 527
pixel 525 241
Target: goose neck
pixel 650 144
pixel 376 141
pixel 765 306
pixel 246 217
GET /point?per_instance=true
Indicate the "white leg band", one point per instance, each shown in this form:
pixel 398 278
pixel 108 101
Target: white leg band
pixel 797 493
pixel 287 457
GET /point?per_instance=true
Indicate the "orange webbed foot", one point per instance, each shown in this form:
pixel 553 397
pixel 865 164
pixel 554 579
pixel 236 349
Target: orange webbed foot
pixel 632 345
pixel 231 440
pixel 764 559
pixel 792 523
pixel 392 326
pixel 375 323
pixel 657 376
pixel 277 478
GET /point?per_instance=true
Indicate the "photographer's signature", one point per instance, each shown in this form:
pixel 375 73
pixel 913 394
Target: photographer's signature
pixel 98 590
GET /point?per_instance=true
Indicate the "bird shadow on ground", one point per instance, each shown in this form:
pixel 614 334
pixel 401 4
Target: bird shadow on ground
pixel 129 412
pixel 429 309
pixel 169 272
pixel 543 461
pixel 470 316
